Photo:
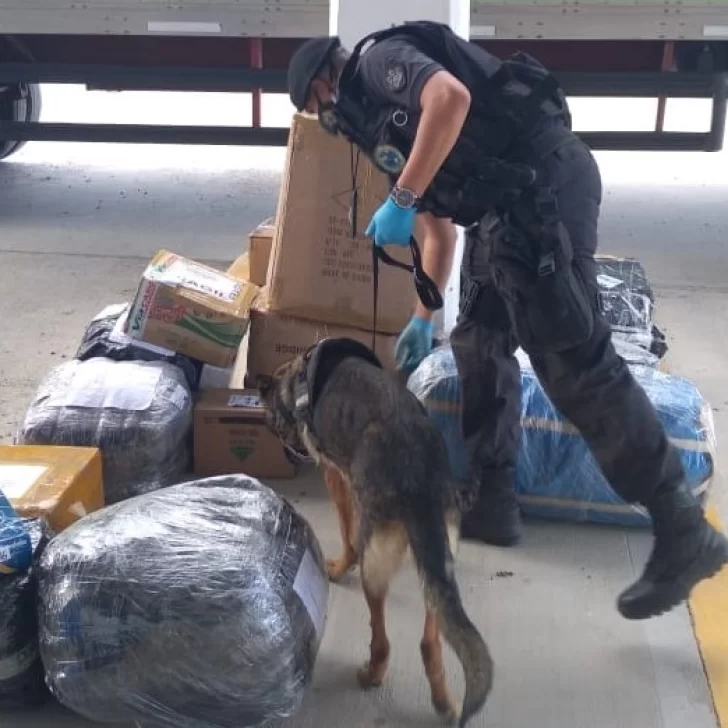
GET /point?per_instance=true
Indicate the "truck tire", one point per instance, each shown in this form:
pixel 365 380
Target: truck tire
pixel 18 103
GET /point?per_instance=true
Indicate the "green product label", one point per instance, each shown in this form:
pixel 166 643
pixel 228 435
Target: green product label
pixel 242 452
pixel 224 333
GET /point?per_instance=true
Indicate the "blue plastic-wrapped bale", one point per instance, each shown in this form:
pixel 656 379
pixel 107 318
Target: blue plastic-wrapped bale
pixel 22 683
pixel 15 546
pixel 201 605
pixel 557 476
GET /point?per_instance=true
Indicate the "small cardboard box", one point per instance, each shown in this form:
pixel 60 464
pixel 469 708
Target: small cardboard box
pixel 240 268
pixel 318 270
pixel 60 484
pixel 273 339
pixel 230 436
pixel 192 309
pixel 260 243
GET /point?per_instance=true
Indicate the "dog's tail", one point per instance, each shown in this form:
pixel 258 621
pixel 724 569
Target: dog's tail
pixel 436 566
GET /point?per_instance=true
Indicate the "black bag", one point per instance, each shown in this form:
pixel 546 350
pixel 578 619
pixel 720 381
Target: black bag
pixel 201 605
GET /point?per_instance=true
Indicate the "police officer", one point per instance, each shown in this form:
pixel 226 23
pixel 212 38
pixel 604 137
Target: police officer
pixel 472 140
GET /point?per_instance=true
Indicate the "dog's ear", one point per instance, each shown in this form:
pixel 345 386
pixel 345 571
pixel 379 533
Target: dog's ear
pixel 265 385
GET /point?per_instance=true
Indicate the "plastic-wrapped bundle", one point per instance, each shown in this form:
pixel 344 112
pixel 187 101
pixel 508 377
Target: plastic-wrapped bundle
pixel 15 544
pixel 139 414
pixel 22 681
pixel 105 337
pixel 633 353
pixel 199 606
pixel 627 303
pixel 556 475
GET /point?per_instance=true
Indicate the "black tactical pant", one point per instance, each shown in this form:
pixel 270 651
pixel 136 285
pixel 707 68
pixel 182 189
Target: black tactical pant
pixel 589 384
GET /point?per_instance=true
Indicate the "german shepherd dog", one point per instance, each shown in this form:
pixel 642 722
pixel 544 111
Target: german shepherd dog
pixel 386 467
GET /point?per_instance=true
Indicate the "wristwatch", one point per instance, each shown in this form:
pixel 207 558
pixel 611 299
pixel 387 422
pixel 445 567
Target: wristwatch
pixel 403 197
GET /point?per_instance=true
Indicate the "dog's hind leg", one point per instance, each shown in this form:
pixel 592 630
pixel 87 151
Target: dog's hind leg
pixel 382 555
pixel 431 649
pixel 341 495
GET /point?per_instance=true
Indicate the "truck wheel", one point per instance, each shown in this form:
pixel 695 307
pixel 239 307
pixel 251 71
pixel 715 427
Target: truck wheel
pixel 18 103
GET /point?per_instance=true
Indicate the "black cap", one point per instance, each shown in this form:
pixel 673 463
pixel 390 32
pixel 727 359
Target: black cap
pixel 305 63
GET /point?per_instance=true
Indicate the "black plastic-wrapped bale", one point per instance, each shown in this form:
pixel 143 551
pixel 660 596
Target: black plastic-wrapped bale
pixel 105 337
pixel 627 303
pixel 199 606
pixel 22 682
pixel 139 414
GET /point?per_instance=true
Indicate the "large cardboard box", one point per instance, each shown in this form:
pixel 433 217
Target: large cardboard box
pixel 59 484
pixel 230 436
pixel 192 309
pixel 274 339
pixel 317 270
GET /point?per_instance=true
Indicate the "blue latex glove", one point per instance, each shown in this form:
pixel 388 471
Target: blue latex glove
pixel 391 224
pixel 413 344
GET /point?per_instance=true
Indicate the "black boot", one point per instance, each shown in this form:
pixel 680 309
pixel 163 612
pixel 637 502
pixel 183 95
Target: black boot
pixel 495 517
pixel 687 549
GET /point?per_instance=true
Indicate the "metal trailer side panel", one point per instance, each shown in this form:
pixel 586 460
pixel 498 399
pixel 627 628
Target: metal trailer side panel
pixel 600 19
pixel 499 19
pixel 215 18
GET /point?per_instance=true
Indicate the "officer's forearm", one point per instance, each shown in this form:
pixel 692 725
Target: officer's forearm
pixel 438 250
pixel 445 103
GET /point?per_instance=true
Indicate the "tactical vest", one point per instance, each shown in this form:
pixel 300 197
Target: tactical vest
pixel 508 100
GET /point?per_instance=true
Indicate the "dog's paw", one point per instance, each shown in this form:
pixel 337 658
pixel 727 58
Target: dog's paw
pixel 447 710
pixel 369 678
pixel 336 568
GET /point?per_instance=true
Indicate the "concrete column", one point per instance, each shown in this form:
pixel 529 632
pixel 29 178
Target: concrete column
pixel 353 19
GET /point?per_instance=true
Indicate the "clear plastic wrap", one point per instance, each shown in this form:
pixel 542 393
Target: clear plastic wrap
pixel 105 337
pixel 202 605
pixel 556 475
pixel 139 414
pixel 22 683
pixel 627 303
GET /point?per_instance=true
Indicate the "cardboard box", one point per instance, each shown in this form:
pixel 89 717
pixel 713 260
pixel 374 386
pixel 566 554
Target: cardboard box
pixel 240 268
pixel 260 243
pixel 230 436
pixel 192 309
pixel 273 339
pixel 60 484
pixel 317 270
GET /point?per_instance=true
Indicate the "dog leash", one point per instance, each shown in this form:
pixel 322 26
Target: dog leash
pixel 426 288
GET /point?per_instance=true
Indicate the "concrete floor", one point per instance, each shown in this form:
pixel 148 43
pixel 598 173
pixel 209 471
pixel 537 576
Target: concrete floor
pixel 77 225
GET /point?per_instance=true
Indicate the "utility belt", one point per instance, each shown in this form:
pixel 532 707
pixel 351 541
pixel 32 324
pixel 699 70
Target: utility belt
pixel 530 260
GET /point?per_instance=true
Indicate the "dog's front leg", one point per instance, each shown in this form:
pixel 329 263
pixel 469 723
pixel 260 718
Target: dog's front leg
pixel 341 495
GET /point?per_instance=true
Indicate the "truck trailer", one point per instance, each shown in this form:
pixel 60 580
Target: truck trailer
pixel 597 48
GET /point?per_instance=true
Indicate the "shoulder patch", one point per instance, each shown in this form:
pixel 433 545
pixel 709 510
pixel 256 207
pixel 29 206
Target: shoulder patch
pixel 395 75
pixel 389 159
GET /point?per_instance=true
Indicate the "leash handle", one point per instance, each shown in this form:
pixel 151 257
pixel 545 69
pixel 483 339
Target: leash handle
pixel 427 291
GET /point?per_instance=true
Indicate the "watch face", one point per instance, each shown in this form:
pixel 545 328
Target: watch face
pixel 404 198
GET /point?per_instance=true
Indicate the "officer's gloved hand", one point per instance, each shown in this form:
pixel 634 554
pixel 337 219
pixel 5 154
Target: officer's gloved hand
pixel 413 344
pixel 391 224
